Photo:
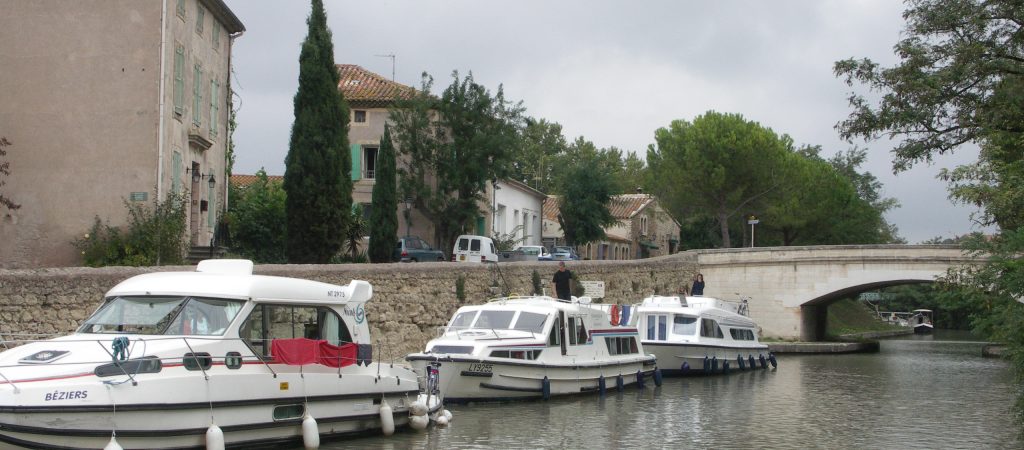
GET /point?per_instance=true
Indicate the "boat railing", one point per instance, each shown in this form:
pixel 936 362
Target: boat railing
pixel 478 332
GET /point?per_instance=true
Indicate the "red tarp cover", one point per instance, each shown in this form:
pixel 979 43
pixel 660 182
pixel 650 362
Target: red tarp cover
pixel 302 351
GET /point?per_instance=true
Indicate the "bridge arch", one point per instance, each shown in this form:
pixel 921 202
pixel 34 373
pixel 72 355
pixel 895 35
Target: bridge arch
pixel 790 288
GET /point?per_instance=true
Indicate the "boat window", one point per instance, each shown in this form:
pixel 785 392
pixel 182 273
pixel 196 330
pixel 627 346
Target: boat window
pixel 288 412
pixel 499 320
pixel 146 364
pixel 532 322
pixel 204 317
pixel 555 337
pixel 233 360
pixel 683 325
pixel 268 322
pixel 462 320
pixel 709 328
pixel 452 349
pixel 657 327
pixel 741 334
pixel 135 315
pixel 516 354
pixel 577 331
pixel 621 345
pixel 196 361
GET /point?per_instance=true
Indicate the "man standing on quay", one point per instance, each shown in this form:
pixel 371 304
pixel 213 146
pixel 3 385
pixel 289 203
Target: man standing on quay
pixel 560 282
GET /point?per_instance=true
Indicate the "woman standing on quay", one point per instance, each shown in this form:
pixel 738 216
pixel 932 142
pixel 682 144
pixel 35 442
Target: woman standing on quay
pixel 698 285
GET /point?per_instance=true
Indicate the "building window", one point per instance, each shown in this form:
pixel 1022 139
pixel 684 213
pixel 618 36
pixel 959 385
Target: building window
pixel 359 116
pixel 211 214
pixel 643 226
pixel 369 162
pixel 214 106
pixel 499 219
pixel 179 79
pixel 200 18
pixel 180 10
pixel 197 95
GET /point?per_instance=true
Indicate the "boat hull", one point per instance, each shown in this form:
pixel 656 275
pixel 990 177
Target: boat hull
pixel 251 405
pixel 923 328
pixel 463 380
pixel 702 359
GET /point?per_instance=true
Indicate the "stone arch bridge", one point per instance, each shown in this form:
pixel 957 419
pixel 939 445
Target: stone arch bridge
pixel 790 288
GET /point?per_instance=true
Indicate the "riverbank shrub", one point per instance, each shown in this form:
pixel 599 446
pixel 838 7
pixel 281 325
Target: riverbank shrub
pixel 154 235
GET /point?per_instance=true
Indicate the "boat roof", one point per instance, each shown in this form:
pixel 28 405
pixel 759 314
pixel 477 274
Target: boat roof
pixel 922 310
pixel 234 279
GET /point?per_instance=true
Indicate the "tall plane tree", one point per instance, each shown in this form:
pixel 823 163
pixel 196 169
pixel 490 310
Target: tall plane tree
pixel 383 215
pixel 719 165
pixel 317 167
pixel 455 146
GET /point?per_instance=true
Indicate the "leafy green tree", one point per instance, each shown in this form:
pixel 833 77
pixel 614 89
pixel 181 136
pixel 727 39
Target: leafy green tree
pixel 257 220
pixel 451 158
pixel 317 167
pixel 720 165
pixel 542 143
pixel 5 171
pixel 584 206
pixel 959 80
pixel 383 216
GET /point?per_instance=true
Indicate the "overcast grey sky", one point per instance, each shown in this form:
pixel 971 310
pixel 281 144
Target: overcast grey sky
pixel 610 71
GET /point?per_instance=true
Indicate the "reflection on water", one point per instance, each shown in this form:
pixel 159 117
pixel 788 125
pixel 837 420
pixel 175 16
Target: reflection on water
pixel 917 392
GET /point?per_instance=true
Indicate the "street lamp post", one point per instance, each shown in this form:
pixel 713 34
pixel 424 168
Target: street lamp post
pixel 408 206
pixel 752 221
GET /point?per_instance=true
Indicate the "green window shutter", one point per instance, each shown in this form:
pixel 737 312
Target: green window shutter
pixel 179 80
pixel 214 107
pixel 181 9
pixel 216 34
pixel 357 153
pixel 480 226
pixel 200 17
pixel 197 95
pixel 176 173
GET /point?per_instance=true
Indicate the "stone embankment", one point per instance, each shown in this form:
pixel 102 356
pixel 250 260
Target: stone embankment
pixel 410 301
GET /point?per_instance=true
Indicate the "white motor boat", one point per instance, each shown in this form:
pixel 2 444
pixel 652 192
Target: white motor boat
pixel 533 347
pixel 699 335
pixel 214 357
pixel 921 320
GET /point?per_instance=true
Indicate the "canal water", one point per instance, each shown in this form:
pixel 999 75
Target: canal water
pixel 917 392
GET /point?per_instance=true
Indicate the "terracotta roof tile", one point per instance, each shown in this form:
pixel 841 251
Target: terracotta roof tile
pixel 622 207
pixel 245 180
pixel 360 87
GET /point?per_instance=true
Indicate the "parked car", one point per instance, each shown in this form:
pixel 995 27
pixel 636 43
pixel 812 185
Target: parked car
pixel 538 252
pixel 414 249
pixel 470 248
pixel 562 253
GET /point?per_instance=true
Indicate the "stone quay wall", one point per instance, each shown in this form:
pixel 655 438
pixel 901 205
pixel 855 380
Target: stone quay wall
pixel 410 301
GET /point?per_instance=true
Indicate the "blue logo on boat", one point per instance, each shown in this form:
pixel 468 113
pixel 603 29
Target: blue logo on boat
pixel 360 314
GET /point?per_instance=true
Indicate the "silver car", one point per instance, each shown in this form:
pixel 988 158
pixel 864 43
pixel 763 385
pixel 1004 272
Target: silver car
pixel 564 254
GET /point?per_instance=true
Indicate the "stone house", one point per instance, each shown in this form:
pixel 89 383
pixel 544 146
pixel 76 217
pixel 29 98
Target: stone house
pixel 107 102
pixel 644 229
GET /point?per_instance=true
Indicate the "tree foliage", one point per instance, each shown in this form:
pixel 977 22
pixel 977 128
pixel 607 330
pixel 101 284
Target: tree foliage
pixel 585 200
pixel 354 234
pixel 538 154
pixel 454 146
pixel 383 216
pixel 257 220
pixel 317 167
pixel 5 171
pixel 720 165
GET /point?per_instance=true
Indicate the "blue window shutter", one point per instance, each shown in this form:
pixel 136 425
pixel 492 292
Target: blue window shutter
pixel 179 80
pixel 176 173
pixel 197 95
pixel 357 153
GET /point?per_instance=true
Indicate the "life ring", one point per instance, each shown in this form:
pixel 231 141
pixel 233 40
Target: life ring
pixel 615 315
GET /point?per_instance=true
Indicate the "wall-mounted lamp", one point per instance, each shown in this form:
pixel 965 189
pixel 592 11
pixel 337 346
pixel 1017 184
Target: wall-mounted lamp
pixel 197 177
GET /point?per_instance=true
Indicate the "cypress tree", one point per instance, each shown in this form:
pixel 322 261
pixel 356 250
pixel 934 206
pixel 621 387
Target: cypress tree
pixel 384 216
pixel 317 176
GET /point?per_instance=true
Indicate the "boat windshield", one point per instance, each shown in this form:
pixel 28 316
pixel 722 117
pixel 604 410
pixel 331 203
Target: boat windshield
pixel 684 326
pixel 532 322
pixel 153 315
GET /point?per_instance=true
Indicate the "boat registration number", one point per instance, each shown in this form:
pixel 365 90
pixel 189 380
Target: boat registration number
pixel 479 368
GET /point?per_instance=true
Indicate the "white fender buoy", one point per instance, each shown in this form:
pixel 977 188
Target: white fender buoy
pixel 387 419
pixel 447 414
pixel 113 445
pixel 418 408
pixel 214 438
pixel 310 432
pixel 441 420
pixel 419 423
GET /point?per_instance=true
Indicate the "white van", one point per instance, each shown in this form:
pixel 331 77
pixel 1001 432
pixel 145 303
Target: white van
pixel 470 248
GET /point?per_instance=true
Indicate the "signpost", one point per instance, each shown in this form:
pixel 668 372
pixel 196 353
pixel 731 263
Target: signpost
pixel 593 289
pixel 752 221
